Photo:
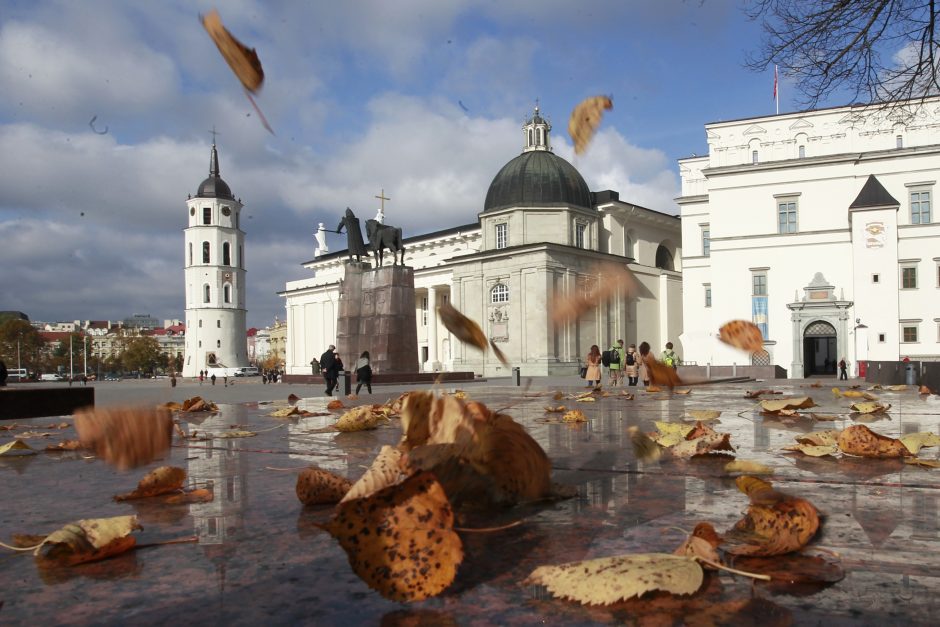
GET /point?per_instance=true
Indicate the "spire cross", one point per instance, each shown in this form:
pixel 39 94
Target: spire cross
pixel 383 198
pixel 213 133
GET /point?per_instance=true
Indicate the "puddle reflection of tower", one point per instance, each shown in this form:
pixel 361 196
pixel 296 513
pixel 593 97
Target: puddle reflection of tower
pixel 219 467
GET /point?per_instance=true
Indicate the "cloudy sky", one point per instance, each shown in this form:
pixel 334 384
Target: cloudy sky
pixel 423 98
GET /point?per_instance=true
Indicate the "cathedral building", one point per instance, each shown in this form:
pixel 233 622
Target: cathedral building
pixel 541 233
pixel 215 277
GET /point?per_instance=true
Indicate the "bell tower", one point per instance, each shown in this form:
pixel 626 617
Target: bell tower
pixel 214 261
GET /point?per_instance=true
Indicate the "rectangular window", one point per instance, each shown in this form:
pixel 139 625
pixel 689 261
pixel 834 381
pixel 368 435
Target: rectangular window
pixel 579 235
pixel 759 307
pixel 876 278
pixel 706 241
pixel 424 312
pixel 802 152
pixel 502 235
pixel 920 207
pixel 909 334
pixel 754 157
pixel 909 278
pixel 881 338
pixel 207 215
pixel 708 295
pixel 899 141
pixel 786 215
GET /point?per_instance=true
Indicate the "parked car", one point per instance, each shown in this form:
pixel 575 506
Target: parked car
pixel 249 371
pixel 52 376
pixel 15 375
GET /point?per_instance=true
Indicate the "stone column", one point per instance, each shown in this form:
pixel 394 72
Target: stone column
pixel 432 364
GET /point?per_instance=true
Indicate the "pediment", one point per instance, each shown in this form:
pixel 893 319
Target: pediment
pixel 801 124
pixel 711 134
pixel 852 119
pixel 755 129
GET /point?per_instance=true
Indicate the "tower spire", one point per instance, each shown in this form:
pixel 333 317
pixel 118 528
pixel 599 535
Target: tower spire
pixel 214 159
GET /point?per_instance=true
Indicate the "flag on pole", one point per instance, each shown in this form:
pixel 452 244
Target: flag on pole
pixel 775 82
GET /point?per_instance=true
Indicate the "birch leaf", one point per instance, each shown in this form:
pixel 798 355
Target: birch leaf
pixel 871 407
pixel 234 433
pixel 316 486
pixel 773 406
pixel 774 524
pixel 158 481
pixel 896 388
pixel 586 399
pixel 359 418
pixel 16 448
pixel 814 450
pixel 383 472
pixel 916 441
pixel 748 466
pixel 704 445
pixel 862 441
pixel 575 415
pixel 554 409
pixel 285 412
pixel 89 540
pixel 702 542
pixel 820 438
pixel 607 580
pixel 926 463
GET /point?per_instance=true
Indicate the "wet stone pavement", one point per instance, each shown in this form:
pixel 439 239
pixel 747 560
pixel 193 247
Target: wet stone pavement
pixel 260 559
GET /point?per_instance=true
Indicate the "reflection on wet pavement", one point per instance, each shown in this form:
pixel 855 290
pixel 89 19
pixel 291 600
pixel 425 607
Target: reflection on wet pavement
pixel 261 559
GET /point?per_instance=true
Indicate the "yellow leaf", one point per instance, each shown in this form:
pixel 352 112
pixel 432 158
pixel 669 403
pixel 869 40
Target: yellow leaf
pixel 896 388
pixel 855 394
pixel 89 540
pixel 683 391
pixel 359 418
pixel 586 399
pixel 709 443
pixel 383 472
pixel 460 394
pixel 702 415
pixel 585 119
pixel 820 438
pixel 285 412
pixel 653 389
pixel 607 580
pixel 927 463
pixel 575 415
pixel 158 481
pixel 870 407
pixel 668 428
pixel 774 406
pixel 916 441
pixel 814 450
pixel 15 448
pixel 837 393
pixel 645 449
pixel 749 467
pixel 234 433
pixel 554 409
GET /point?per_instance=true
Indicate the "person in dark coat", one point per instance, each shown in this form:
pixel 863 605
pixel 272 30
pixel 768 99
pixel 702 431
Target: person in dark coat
pixel 3 373
pixel 327 362
pixel 364 372
pixel 354 244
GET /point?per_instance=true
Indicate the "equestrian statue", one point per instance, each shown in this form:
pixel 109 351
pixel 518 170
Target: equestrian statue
pixel 382 236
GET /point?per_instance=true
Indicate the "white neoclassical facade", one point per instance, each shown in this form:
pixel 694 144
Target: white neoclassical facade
pixel 541 233
pixel 215 277
pixel 819 226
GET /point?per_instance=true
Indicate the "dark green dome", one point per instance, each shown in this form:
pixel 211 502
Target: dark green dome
pixel 537 178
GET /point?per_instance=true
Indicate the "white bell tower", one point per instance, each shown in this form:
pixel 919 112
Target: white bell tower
pixel 215 277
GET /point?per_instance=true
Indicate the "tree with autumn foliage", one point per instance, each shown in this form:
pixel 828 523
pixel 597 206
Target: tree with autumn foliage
pixel 142 354
pixel 16 332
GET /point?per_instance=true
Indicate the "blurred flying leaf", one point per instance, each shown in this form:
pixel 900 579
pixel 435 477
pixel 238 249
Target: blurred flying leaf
pixel 584 120
pixel 607 280
pixel 126 437
pixel 742 334
pixel 749 467
pixel 644 447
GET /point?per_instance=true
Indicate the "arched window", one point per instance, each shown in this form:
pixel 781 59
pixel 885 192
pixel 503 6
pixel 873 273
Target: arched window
pixel 205 252
pixel 499 293
pixel 530 137
pixel 227 293
pixel 541 135
pixel 206 293
pixel 190 253
pixel 218 343
pixel 664 258
pixel 226 254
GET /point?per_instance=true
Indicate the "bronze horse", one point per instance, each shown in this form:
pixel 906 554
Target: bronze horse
pixel 382 236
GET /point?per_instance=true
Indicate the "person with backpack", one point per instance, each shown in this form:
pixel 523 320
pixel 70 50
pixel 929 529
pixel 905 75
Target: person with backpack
pixel 669 357
pixel 614 363
pixel 631 367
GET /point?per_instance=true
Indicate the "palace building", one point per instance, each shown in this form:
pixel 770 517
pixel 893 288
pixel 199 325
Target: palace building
pixel 541 232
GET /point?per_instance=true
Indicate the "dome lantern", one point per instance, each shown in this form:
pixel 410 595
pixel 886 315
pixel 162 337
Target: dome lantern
pixel 536 132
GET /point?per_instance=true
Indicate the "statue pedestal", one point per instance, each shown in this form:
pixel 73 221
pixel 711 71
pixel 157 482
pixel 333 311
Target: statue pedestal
pixel 377 314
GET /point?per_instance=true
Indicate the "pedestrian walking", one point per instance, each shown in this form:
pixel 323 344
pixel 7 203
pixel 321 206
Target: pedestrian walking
pixel 593 374
pixel 615 358
pixel 843 370
pixel 669 356
pixel 212 378
pixel 364 372
pixel 645 355
pixel 327 361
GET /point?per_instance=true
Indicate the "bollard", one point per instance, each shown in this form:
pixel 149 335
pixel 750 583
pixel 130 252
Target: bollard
pixel 517 375
pixel 347 382
pixel 708 370
pixel 734 369
pixel 909 374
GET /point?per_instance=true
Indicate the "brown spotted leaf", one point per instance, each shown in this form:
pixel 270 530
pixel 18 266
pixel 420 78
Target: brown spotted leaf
pixel 316 486
pixel 584 120
pixel 742 334
pixel 775 523
pixel 861 441
pixel 383 472
pixel 125 437
pixel 607 580
pixel 401 540
pixel 160 480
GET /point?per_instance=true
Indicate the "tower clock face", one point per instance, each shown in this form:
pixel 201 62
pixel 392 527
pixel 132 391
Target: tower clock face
pixel 226 211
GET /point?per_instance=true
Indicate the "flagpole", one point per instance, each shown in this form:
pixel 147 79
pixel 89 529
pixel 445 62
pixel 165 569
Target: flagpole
pixel 776 90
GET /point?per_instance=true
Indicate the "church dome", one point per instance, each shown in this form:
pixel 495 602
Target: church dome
pixel 214 186
pixel 538 177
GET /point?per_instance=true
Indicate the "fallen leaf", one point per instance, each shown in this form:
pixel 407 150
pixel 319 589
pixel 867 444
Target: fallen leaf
pixel 554 409
pixel 683 391
pixel 815 385
pixel 335 404
pixel 742 334
pixel 916 441
pixel 158 481
pixel 627 395
pixel 814 450
pixel 861 441
pixel 896 388
pixel 584 120
pixel 575 415
pixel 352 397
pixel 820 438
pixel 586 399
pixel 926 463
pixel 670 433
pixel 756 393
pixel 644 447
pixel 702 542
pixel 653 389
pixel 234 433
pixel 26 435
pixel 719 443
pixel 64 445
pixel 197 404
pixel 199 495
pixel 360 418
pixel 822 417
pixel 701 415
pixel 558 395
pixel 383 472
pixel 870 408
pixel 749 467
pixel 125 437
pixel 401 540
pixel 925 390
pixel 606 580
pixel 775 523
pixel 16 448
pixel 89 540
pixel 316 486
pixel 793 568
pixel 285 412
pixel 171 405
pixel 775 406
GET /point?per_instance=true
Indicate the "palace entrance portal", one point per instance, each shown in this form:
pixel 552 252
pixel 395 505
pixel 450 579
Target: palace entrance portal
pixel 820 354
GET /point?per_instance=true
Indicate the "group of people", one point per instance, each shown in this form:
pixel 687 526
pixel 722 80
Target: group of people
pixel 623 362
pixel 331 365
